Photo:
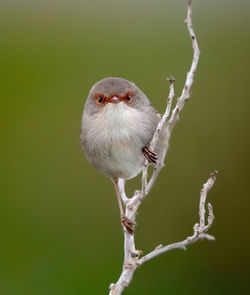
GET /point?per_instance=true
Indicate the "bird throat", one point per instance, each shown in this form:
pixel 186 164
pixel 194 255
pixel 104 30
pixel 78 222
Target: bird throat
pixel 118 114
pixel 119 120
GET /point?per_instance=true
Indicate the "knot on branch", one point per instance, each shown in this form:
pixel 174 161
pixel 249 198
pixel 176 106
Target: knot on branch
pixel 136 254
pixel 111 286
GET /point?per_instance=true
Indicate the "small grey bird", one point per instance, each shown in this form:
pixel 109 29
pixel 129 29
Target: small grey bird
pixel 118 123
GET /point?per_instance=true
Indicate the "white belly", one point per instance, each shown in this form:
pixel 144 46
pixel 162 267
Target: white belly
pixel 125 161
pixel 115 138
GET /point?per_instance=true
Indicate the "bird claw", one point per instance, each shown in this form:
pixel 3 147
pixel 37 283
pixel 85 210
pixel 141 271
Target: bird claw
pixel 149 155
pixel 128 224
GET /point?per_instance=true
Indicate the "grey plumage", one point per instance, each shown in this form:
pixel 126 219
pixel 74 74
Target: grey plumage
pixel 113 134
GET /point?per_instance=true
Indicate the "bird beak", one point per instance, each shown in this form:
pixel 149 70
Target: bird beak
pixel 114 99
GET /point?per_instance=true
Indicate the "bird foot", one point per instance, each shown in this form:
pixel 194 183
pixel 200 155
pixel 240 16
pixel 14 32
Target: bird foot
pixel 128 224
pixel 149 155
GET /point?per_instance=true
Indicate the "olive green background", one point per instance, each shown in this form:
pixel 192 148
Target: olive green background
pixel 59 221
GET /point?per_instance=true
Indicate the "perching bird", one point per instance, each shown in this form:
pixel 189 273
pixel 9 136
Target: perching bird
pixel 118 124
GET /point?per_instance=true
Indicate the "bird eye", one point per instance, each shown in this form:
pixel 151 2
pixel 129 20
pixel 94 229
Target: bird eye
pixel 99 99
pixel 129 98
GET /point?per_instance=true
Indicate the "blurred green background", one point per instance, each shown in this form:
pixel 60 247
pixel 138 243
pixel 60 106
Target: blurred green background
pixel 59 221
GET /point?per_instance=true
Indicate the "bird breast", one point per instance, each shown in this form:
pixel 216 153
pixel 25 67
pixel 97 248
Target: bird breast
pixel 113 139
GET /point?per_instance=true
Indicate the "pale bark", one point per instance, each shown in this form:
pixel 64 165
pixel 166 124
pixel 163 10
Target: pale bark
pixel 132 257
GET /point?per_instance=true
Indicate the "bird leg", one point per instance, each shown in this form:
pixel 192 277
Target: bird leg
pixel 149 155
pixel 127 223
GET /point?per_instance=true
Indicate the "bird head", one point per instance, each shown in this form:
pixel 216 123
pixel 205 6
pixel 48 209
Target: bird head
pixel 112 91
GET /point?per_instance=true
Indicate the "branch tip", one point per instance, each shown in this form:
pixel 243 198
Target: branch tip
pixel 171 79
pixel 209 237
pixel 158 247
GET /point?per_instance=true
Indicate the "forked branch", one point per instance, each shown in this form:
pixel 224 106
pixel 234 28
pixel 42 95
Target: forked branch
pixel 132 257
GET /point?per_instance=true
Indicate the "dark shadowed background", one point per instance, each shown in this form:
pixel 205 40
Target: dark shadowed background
pixel 59 221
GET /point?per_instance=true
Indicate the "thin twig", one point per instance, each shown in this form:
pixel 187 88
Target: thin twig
pixel 190 75
pixel 165 115
pixel 155 139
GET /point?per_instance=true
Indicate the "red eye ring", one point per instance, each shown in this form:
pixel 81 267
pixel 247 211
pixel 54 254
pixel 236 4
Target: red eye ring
pixel 102 100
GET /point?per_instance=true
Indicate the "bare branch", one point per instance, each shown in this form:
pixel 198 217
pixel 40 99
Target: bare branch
pixel 190 75
pixel 162 134
pixel 199 229
pixel 155 139
pixel 176 111
pixel 165 115
pixel 206 188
